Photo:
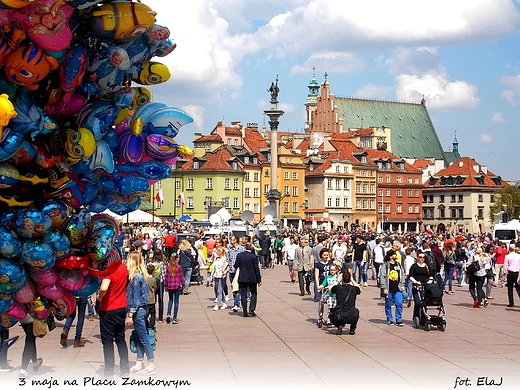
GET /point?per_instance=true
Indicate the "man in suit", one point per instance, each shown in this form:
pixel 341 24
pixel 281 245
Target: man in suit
pixel 249 277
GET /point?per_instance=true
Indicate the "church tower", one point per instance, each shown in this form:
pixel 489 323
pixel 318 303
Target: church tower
pixel 312 97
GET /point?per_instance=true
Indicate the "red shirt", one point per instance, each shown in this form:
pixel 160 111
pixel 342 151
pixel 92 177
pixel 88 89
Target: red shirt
pixel 500 254
pixel 170 241
pixel 210 244
pixel 115 297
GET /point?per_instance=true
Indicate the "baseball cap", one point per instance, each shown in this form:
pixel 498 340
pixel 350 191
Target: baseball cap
pixel 138 243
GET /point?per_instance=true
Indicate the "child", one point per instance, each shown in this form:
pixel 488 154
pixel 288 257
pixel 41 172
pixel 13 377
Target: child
pixel 152 285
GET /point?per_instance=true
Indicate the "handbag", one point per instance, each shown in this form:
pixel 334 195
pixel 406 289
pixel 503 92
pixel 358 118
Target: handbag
pixel 473 268
pixel 336 313
pixel 151 337
pixel 51 323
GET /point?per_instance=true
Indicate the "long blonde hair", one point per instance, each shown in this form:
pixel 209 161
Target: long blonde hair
pixel 135 265
pixel 184 245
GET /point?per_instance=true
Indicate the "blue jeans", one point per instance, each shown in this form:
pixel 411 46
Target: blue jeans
pixel 187 277
pixel 80 309
pixel 460 273
pixel 236 295
pixel 397 300
pixel 363 274
pixel 142 342
pixel 173 299
pixel 219 289
pixel 448 278
pixel 159 299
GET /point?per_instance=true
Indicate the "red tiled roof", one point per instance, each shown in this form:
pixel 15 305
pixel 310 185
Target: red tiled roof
pixel 376 154
pixel 465 166
pixel 216 161
pixel 233 131
pixel 422 164
pixel 207 138
pixel 254 141
pixel 356 132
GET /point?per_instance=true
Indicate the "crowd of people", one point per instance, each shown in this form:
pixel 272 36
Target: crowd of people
pixel 333 267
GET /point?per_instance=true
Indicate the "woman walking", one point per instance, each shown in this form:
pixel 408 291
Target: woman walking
pixel 449 266
pixel 186 261
pixel 137 306
pixel 174 283
pixel 476 280
pixel 220 270
pixel 158 262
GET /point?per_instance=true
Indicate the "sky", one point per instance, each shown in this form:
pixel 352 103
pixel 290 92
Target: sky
pixel 463 56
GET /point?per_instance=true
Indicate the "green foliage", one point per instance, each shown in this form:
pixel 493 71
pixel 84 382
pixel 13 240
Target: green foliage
pixel 510 197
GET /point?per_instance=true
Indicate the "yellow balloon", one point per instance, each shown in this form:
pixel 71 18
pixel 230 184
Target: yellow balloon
pixel 6 111
pixel 184 150
pixel 137 126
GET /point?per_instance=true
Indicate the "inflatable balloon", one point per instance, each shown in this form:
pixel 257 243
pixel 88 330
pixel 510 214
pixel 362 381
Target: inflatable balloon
pixel 73 260
pixel 54 291
pixel 152 73
pixel 76 228
pixel 6 321
pixel 17 311
pixel 64 305
pixel 39 307
pixel 38 254
pixel 71 279
pixel 32 223
pixel 59 242
pixel 10 245
pixel 12 276
pixel 44 276
pixel 89 286
pixel 26 294
pixel 6 111
pixel 57 210
pixel 6 301
pixel 80 144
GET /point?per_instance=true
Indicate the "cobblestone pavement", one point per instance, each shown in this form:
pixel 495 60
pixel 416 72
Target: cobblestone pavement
pixel 283 348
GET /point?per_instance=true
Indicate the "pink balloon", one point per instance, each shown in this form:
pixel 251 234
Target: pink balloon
pixel 45 277
pixel 64 305
pixel 26 294
pixel 71 279
pixel 17 311
pixel 54 291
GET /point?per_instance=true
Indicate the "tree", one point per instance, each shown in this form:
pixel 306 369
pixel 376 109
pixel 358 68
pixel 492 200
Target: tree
pixel 506 199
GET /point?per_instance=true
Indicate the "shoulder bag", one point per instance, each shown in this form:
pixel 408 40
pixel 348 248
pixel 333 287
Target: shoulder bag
pixel 336 313
pixel 473 267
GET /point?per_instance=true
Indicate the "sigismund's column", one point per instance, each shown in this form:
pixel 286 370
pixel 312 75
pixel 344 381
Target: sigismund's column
pixel 273 196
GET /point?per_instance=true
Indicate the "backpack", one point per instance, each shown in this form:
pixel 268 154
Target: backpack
pixel 431 261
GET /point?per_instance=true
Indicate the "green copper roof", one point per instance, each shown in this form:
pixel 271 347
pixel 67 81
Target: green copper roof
pixel 412 132
pixel 314 89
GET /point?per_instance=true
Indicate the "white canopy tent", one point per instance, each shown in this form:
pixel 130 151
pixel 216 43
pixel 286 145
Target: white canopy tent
pixel 137 216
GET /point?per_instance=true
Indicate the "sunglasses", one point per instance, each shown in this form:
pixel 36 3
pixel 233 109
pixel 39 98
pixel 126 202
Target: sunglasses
pixel 422 257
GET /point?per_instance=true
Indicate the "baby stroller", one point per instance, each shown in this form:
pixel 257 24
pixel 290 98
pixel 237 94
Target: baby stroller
pixel 195 274
pixel 431 297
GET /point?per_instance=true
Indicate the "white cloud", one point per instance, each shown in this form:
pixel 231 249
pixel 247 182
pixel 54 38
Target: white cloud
pixel 498 117
pixel 372 91
pixel 333 62
pixel 197 113
pixel 511 94
pixel 414 61
pixel 439 92
pixel 485 138
pixel 510 97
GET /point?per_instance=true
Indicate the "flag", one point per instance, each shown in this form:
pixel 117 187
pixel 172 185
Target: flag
pixel 181 197
pixel 159 198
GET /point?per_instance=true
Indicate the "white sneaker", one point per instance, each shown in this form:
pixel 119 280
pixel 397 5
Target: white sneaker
pixel 235 308
pixel 216 300
pixel 227 298
pixel 365 284
pixel 224 306
pixel 215 308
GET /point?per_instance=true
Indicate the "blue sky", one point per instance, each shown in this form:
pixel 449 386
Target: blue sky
pixel 463 56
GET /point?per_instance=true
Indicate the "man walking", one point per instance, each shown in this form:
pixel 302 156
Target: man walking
pixel 233 250
pixel 392 283
pixel 302 263
pixel 112 314
pixel 511 273
pixel 248 278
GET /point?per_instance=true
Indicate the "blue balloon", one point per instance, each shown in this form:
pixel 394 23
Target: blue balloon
pixel 13 276
pixel 10 143
pixel 149 170
pixel 10 245
pixel 128 185
pixel 57 210
pixel 32 223
pixel 59 242
pixel 38 254
pixel 6 301
pixel 89 289
pixel 122 208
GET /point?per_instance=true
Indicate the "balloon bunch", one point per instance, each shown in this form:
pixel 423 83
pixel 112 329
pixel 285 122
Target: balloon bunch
pixel 77 136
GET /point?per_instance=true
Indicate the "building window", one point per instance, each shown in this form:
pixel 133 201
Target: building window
pixel 365 204
pixel 345 169
pixel 329 202
pixel 256 208
pixel 338 184
pixel 285 207
pixel 372 188
pixel 442 212
pixel 247 206
pixel 329 184
pixel 266 188
pixel 399 209
pixel 398 192
pixel 416 193
pixel 236 184
pixel 246 176
pixel 380 179
pixel 453 199
pixel 246 193
pixel 294 207
pixel 286 175
pixel 461 198
pixel 387 192
pixel 492 198
pixel 189 185
pixel 481 198
pixel 430 199
pixel 441 198
pixel 380 193
pixel 398 179
pixel 246 160
pixel 209 183
pixel 338 202
pixel 256 176
pixel 480 213
pixel 255 160
pixel 295 175
pixel 229 141
pixel 410 193
pixel 196 165
pixel 178 184
pixel 225 202
pixel 286 190
pixel 416 181
pixel 235 203
pixel 358 204
pixel 410 209
pixel 409 180
pixel 256 192
pixel 266 172
pixel 358 187
pixel 387 208
pixel 365 188
pixel 363 159
pixel 226 184
pixel 189 203
pixel 345 203
pixel 345 184
pixel 295 191
pixel 234 165
pixel 379 208
pixel 387 179
pixel 416 209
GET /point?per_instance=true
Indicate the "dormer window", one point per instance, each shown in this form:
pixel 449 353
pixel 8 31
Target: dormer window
pixel 196 165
